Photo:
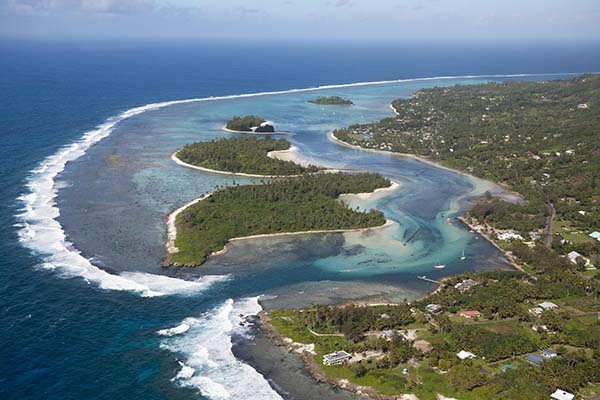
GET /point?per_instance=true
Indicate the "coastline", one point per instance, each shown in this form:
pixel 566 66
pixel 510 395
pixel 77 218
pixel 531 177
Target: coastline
pixel 224 128
pixel 306 351
pixel 171 226
pixel 216 171
pixel 504 193
pixel 388 222
pixel 508 256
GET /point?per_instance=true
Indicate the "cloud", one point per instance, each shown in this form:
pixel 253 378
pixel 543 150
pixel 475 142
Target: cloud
pixel 343 3
pixel 115 7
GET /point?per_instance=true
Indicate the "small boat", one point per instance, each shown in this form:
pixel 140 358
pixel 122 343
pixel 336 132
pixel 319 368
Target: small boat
pixel 439 266
pixel 463 257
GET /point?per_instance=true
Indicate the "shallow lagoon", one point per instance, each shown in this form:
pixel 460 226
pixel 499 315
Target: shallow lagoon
pixel 114 199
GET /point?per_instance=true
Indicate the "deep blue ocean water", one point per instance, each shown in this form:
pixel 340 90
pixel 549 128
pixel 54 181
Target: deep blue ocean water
pixel 65 339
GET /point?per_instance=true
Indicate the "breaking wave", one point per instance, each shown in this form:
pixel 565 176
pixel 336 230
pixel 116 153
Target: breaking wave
pixel 41 232
pixel 207 362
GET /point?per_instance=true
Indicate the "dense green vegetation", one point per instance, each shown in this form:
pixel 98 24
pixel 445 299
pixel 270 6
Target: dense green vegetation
pixel 298 204
pixel 331 100
pixel 242 155
pixel 249 123
pixel 542 139
pixel 502 336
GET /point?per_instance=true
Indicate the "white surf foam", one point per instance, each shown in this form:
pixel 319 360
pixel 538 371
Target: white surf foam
pixel 41 232
pixel 209 364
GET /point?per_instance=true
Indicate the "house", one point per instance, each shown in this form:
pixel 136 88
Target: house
pixel 465 285
pixel 536 311
pixel 535 359
pixel 595 235
pixel 574 256
pixel 548 305
pixel 583 106
pixel 539 328
pixel 549 353
pixel 433 308
pixel 336 358
pixel 509 235
pixel 470 314
pixel 423 345
pixel 562 395
pixel 388 334
pixel 507 367
pixel 582 212
pixel 463 355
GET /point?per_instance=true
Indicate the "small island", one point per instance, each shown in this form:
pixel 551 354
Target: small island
pixel 250 123
pixel 242 155
pixel 294 205
pixel 331 101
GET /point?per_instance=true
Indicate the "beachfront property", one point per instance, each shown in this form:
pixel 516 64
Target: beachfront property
pixel 470 314
pixel 465 285
pixel 548 305
pixel 433 308
pixel 336 358
pixel 509 235
pixel 549 353
pixel 562 395
pixel 463 355
pixel 535 359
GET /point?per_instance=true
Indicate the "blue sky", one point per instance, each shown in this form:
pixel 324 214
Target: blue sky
pixel 396 19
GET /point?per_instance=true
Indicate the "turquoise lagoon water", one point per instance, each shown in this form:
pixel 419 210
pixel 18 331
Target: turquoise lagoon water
pixel 115 211
pixel 114 188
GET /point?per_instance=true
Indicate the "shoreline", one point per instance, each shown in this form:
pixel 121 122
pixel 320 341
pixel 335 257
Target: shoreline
pixel 216 171
pixel 484 235
pixel 171 226
pixel 388 222
pixel 224 128
pixel 306 352
pixel 505 193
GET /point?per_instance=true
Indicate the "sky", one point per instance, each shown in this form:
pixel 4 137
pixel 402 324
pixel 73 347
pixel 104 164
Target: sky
pixel 311 19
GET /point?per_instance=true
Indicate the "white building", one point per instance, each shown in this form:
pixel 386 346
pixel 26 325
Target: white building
pixel 548 305
pixel 574 256
pixel 509 235
pixel 562 395
pixel 465 285
pixel 336 358
pixel 463 355
pixel 433 308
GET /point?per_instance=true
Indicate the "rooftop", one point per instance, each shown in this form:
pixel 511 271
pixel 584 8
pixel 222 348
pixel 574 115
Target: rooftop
pixel 535 359
pixel 562 395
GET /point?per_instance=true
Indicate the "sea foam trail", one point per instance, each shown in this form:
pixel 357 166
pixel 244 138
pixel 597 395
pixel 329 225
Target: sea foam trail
pixel 208 364
pixel 41 232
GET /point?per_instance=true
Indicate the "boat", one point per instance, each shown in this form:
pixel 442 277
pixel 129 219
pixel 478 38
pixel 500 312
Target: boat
pixel 439 266
pixel 463 257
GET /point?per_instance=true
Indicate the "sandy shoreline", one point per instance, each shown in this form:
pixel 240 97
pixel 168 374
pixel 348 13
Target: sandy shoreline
pixel 508 256
pixel 504 193
pixel 172 226
pixel 224 128
pixel 216 171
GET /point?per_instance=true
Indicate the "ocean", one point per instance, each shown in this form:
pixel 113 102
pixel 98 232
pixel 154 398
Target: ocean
pixel 86 310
